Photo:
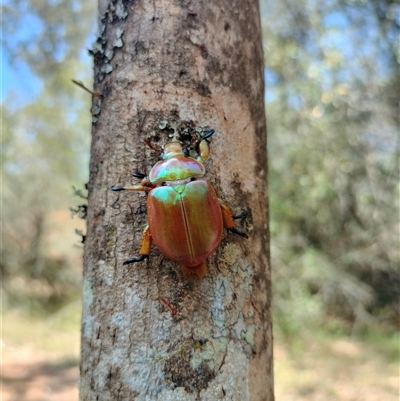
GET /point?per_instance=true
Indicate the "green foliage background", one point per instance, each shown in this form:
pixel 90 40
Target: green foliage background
pixel 333 124
pixel 45 147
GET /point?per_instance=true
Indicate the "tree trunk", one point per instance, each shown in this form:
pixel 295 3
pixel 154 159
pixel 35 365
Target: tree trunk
pixel 148 332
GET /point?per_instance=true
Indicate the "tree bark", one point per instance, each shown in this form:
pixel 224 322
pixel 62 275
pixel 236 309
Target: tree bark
pixel 148 332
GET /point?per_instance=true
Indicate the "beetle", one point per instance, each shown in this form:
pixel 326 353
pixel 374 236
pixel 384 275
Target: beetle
pixel 185 216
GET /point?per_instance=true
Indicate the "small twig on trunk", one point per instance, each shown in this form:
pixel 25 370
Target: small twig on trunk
pixel 82 86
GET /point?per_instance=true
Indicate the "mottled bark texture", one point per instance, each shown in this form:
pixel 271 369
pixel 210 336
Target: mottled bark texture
pixel 148 332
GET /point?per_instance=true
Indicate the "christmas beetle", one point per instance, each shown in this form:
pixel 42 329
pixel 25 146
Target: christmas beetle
pixel 185 216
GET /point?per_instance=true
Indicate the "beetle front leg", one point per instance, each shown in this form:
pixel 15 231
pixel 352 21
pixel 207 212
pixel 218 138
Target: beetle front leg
pixel 204 145
pixel 145 246
pixel 228 218
pixel 145 185
pixel 134 188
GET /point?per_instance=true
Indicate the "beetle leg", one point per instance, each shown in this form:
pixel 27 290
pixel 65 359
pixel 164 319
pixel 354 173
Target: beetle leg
pixel 139 175
pixel 239 215
pixel 204 145
pixel 145 185
pixel 227 214
pixel 228 217
pixel 134 188
pixel 238 232
pixel 204 150
pixel 145 246
pixel 136 259
pixel 207 134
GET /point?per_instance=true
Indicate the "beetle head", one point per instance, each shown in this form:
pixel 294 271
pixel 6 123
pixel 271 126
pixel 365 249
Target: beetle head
pixel 172 149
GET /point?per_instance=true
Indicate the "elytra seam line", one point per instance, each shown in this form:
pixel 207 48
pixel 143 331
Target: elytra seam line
pixel 189 239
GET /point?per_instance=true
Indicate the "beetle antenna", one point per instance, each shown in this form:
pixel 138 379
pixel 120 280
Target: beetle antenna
pixel 207 134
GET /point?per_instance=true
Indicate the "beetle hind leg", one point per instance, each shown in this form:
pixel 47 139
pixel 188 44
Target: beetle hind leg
pixel 239 215
pixel 228 219
pixel 238 232
pixel 145 246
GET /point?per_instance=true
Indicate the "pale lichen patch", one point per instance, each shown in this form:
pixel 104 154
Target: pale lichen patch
pixel 107 271
pixel 109 54
pixel 118 42
pixel 229 385
pixel 88 319
pixel 231 253
pixel 120 10
pixel 106 68
pixel 211 353
pixel 248 335
pixel 118 38
pixel 201 333
pixel 218 315
pixel 177 394
pixel 239 327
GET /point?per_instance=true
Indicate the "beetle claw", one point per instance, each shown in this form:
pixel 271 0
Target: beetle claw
pixel 117 188
pixel 239 215
pixel 134 260
pixel 236 231
pixel 139 175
